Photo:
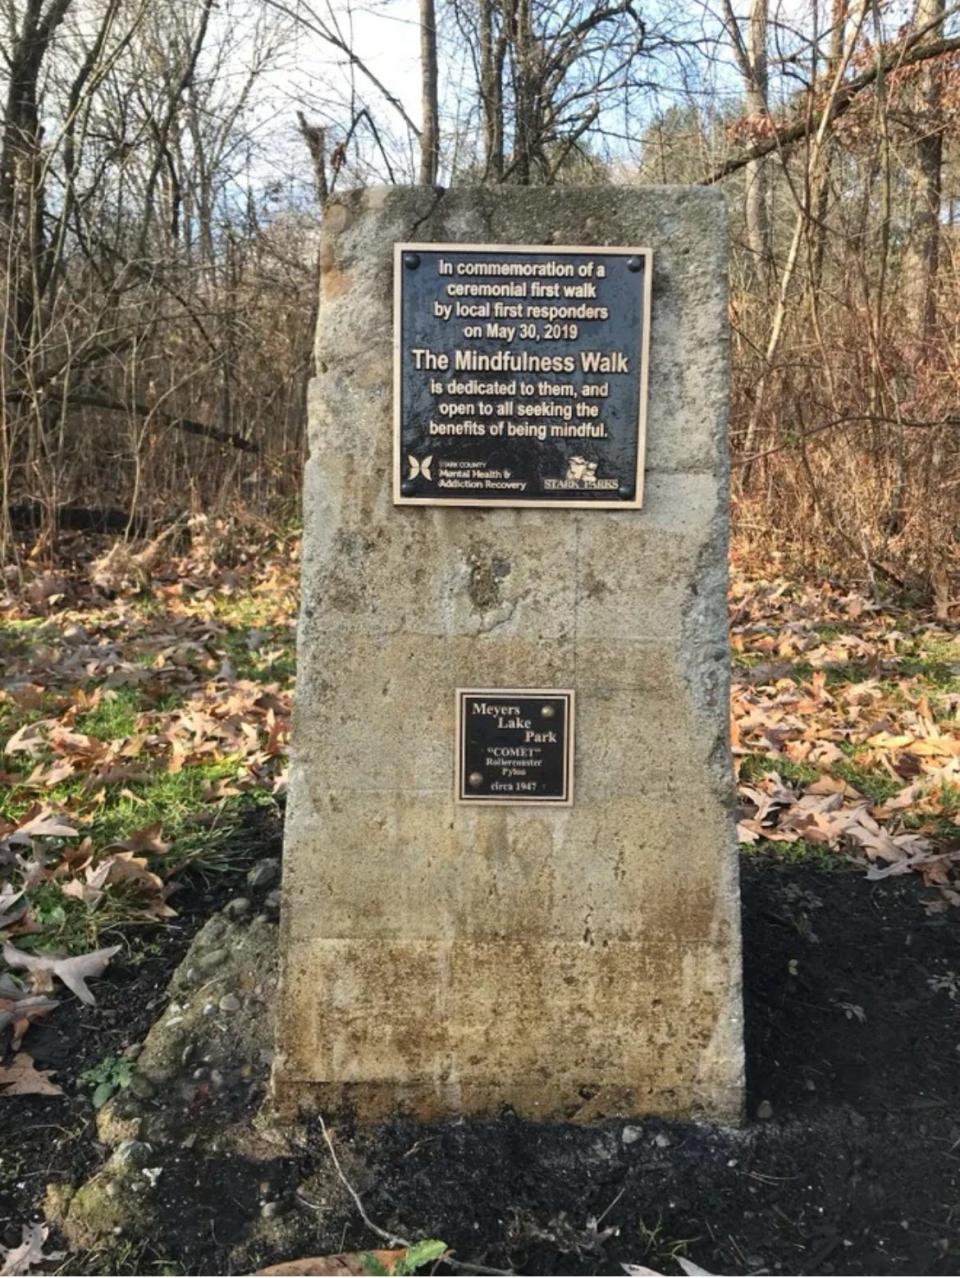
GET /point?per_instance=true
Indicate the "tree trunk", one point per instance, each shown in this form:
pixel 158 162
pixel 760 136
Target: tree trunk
pixel 525 123
pixel 758 227
pixel 492 50
pixel 922 255
pixel 838 29
pixel 429 128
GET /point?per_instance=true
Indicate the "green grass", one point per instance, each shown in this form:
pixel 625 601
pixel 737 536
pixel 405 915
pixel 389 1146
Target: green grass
pixel 274 659
pixel 950 798
pixel 849 672
pixel 942 828
pixel 171 798
pixel 747 660
pixel 16 637
pixel 796 852
pixel 756 766
pixel 940 676
pixel 873 785
pixel 68 926
pixel 114 717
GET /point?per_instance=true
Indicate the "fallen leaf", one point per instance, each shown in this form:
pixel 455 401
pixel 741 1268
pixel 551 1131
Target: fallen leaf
pixel 45 825
pixel 74 972
pixel 22 1012
pixel 81 892
pixel 344 1264
pixel 693 1270
pixel 19 1260
pixel 13 906
pixel 23 1079
pixel 29 739
pixel 146 839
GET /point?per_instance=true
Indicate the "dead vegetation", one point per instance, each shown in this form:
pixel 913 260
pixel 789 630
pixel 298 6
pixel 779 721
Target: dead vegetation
pixel 846 732
pixel 137 730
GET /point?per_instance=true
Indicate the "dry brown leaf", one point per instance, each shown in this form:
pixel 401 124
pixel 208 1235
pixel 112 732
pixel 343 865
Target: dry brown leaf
pixel 22 1012
pixel 826 784
pixel 13 906
pixel 344 1264
pixel 58 772
pixel 146 839
pixel 74 972
pixel 29 739
pixel 21 1078
pixel 221 788
pixel 124 867
pixel 81 892
pixel 41 824
pixel 30 1253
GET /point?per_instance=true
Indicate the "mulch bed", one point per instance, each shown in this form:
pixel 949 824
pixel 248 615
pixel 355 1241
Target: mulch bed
pixel 853 1040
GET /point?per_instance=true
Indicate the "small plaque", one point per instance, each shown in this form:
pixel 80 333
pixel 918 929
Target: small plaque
pixel 520 375
pixel 515 746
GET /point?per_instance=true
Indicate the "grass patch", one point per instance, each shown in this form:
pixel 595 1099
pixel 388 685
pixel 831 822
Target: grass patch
pixel 114 717
pixel 170 798
pixel 270 660
pixel 748 660
pixel 67 925
pixel 950 800
pixel 849 672
pixel 17 636
pixel 796 852
pixel 244 610
pixel 942 828
pixel 875 786
pixel 755 766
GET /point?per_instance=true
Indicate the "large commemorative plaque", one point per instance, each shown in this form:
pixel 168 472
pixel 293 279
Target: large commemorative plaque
pixel 515 746
pixel 520 374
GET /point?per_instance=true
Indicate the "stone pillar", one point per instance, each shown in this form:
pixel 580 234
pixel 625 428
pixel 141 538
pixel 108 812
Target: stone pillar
pixel 574 962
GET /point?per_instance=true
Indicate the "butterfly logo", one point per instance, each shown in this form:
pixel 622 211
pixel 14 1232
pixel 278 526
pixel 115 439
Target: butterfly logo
pixel 418 468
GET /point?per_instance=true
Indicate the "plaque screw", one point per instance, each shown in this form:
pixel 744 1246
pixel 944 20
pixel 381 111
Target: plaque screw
pixel 634 263
pixel 547 711
pixel 625 490
pixel 407 489
pixel 475 779
pixel 412 260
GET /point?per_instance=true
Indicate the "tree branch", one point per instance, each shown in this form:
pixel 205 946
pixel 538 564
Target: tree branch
pixel 911 55
pixel 87 399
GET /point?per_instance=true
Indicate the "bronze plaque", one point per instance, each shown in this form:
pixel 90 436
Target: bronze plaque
pixel 515 746
pixel 520 375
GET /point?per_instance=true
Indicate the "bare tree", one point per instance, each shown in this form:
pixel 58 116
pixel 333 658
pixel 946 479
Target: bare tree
pixel 921 259
pixel 545 72
pixel 136 260
pixel 430 123
pixel 751 56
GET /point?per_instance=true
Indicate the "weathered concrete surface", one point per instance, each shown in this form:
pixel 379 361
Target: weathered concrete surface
pixel 570 963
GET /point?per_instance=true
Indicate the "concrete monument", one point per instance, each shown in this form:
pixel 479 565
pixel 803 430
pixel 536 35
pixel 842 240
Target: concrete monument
pixel 510 870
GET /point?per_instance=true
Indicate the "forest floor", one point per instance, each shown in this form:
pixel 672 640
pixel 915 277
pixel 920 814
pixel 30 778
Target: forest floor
pixel 143 715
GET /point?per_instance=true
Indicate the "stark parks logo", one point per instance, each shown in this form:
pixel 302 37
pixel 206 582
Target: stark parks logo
pixel 580 474
pixel 581 471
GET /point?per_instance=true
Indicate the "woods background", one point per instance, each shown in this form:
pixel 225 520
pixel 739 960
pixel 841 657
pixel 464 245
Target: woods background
pixel 163 167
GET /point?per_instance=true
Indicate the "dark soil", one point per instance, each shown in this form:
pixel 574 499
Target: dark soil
pixel 853 1041
pixel 53 1139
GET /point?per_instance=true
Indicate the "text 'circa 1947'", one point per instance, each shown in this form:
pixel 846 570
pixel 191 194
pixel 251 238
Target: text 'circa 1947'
pixel 520 374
